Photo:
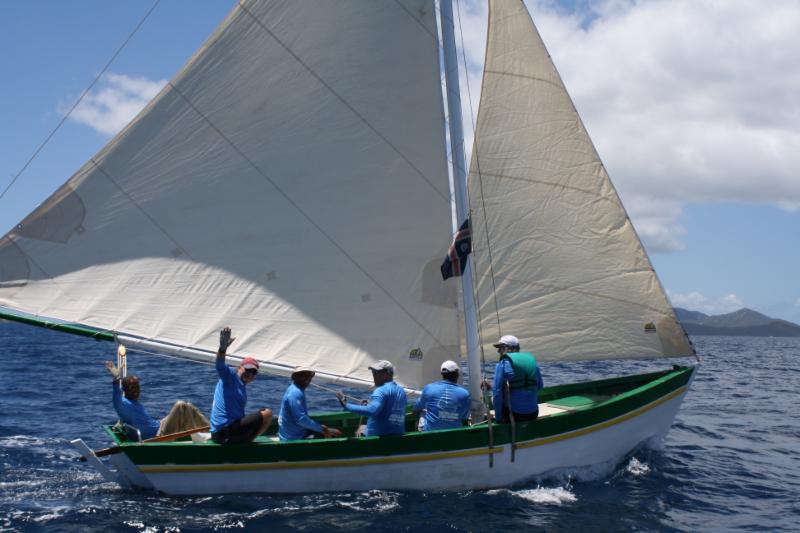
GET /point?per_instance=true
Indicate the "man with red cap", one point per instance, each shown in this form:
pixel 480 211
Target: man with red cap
pixel 229 425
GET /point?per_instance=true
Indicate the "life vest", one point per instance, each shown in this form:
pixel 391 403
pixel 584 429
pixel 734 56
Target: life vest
pixel 524 365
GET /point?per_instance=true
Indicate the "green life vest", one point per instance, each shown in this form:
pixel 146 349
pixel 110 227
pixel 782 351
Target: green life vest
pixel 524 365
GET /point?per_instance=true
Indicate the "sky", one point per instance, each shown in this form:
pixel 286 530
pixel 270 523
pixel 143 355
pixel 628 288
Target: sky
pixel 693 105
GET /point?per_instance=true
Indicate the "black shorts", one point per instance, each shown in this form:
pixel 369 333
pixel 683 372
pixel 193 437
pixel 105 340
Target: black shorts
pixel 520 417
pixel 241 431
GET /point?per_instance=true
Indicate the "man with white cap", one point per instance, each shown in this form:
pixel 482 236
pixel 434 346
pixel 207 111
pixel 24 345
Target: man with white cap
pixel 446 405
pixel 386 409
pixel 229 425
pixel 520 371
pixel 293 420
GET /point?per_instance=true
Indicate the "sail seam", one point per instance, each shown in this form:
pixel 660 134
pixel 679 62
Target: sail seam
pixel 358 115
pixel 552 184
pixel 310 219
pixel 141 209
pixel 525 76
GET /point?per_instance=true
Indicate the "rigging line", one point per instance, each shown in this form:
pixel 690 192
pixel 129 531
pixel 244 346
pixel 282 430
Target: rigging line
pixel 161 228
pixel 310 220
pixel 478 170
pixel 80 98
pixel 352 109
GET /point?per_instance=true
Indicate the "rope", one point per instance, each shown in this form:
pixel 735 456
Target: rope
pixel 80 99
pixel 480 183
pixel 511 419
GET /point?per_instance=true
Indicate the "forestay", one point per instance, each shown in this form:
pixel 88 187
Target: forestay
pixel 290 182
pixel 572 279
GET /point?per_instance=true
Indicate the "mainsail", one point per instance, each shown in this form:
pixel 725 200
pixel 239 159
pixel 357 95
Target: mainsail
pixel 289 182
pixel 557 261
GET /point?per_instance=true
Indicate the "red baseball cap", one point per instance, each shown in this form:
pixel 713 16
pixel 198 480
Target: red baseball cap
pixel 249 363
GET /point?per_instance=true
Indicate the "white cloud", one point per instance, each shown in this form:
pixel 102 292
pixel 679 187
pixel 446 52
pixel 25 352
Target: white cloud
pixel 115 102
pixel 686 100
pixel 696 301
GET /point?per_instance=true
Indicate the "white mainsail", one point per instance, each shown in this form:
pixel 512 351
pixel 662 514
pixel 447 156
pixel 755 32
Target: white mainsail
pixel 557 261
pixel 290 182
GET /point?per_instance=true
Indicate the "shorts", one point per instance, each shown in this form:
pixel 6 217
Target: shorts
pixel 240 431
pixel 520 417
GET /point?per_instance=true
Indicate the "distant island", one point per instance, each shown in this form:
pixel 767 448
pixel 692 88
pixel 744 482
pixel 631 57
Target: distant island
pixel 742 323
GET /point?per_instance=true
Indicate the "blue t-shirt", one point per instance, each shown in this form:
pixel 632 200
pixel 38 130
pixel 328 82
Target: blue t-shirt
pixel 133 413
pixel 522 401
pixel 230 397
pixel 386 410
pixel 293 421
pixel 445 403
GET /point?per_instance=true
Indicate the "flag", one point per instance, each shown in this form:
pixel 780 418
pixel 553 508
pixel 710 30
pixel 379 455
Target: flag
pixel 457 255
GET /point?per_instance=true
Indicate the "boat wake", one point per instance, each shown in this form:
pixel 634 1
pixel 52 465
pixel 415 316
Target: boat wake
pixel 540 495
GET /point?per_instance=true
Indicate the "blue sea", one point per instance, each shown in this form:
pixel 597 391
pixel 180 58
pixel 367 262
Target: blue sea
pixel 731 461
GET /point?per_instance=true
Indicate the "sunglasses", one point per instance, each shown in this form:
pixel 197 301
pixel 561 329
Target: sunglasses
pixel 251 371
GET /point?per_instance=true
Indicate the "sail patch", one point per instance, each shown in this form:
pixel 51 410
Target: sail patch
pixel 56 220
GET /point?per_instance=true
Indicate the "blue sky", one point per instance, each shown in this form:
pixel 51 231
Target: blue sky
pixel 694 106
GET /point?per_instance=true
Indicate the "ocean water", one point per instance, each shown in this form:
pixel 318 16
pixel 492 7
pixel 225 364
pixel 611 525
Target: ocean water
pixel 730 462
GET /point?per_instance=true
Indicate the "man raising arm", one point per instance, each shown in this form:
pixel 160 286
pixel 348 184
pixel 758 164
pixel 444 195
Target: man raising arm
pixel 229 425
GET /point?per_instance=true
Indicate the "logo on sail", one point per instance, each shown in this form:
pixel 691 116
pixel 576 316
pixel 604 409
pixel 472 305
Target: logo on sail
pixel 415 354
pixel 649 328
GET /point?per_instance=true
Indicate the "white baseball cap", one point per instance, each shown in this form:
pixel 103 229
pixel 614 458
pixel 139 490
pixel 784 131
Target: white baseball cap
pixel 381 365
pixel 448 367
pixel 507 340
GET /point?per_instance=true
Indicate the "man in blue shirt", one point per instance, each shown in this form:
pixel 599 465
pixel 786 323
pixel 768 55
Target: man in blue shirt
pixel 446 405
pixel 520 371
pixel 293 420
pixel 386 409
pixel 183 415
pixel 229 425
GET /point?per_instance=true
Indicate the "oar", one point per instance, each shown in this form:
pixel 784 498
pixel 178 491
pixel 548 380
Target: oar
pixel 161 438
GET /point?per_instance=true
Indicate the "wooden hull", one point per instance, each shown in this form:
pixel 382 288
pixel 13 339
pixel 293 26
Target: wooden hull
pixel 579 431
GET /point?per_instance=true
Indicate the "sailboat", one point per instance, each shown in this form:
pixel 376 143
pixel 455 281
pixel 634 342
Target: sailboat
pixel 292 182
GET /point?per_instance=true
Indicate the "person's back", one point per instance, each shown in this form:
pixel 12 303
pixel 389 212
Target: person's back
pixel 520 371
pixel 446 405
pixel 130 410
pixel 390 418
pixel 386 409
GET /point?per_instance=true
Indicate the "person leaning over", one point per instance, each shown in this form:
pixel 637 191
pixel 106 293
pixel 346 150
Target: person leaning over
pixel 386 409
pixel 229 425
pixel 182 417
pixel 293 420
pixel 520 370
pixel 446 405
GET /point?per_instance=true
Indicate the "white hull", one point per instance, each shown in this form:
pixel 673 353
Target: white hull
pixel 603 444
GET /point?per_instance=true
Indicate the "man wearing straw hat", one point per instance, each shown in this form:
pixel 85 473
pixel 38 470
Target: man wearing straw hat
pixel 293 420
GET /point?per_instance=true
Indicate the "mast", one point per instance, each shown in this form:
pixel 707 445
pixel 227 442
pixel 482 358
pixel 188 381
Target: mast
pixel 458 159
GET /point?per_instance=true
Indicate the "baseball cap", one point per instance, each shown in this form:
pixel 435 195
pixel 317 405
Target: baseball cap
pixel 448 367
pixel 249 363
pixel 301 369
pixel 381 365
pixel 507 340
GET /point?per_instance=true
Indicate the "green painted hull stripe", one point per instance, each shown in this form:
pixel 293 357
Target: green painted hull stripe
pixel 627 397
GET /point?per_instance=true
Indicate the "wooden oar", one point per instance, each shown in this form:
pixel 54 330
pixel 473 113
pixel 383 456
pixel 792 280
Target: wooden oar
pixel 161 438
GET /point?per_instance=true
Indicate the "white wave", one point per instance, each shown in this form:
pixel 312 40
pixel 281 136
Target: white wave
pixel 21 441
pixel 541 495
pixel 637 468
